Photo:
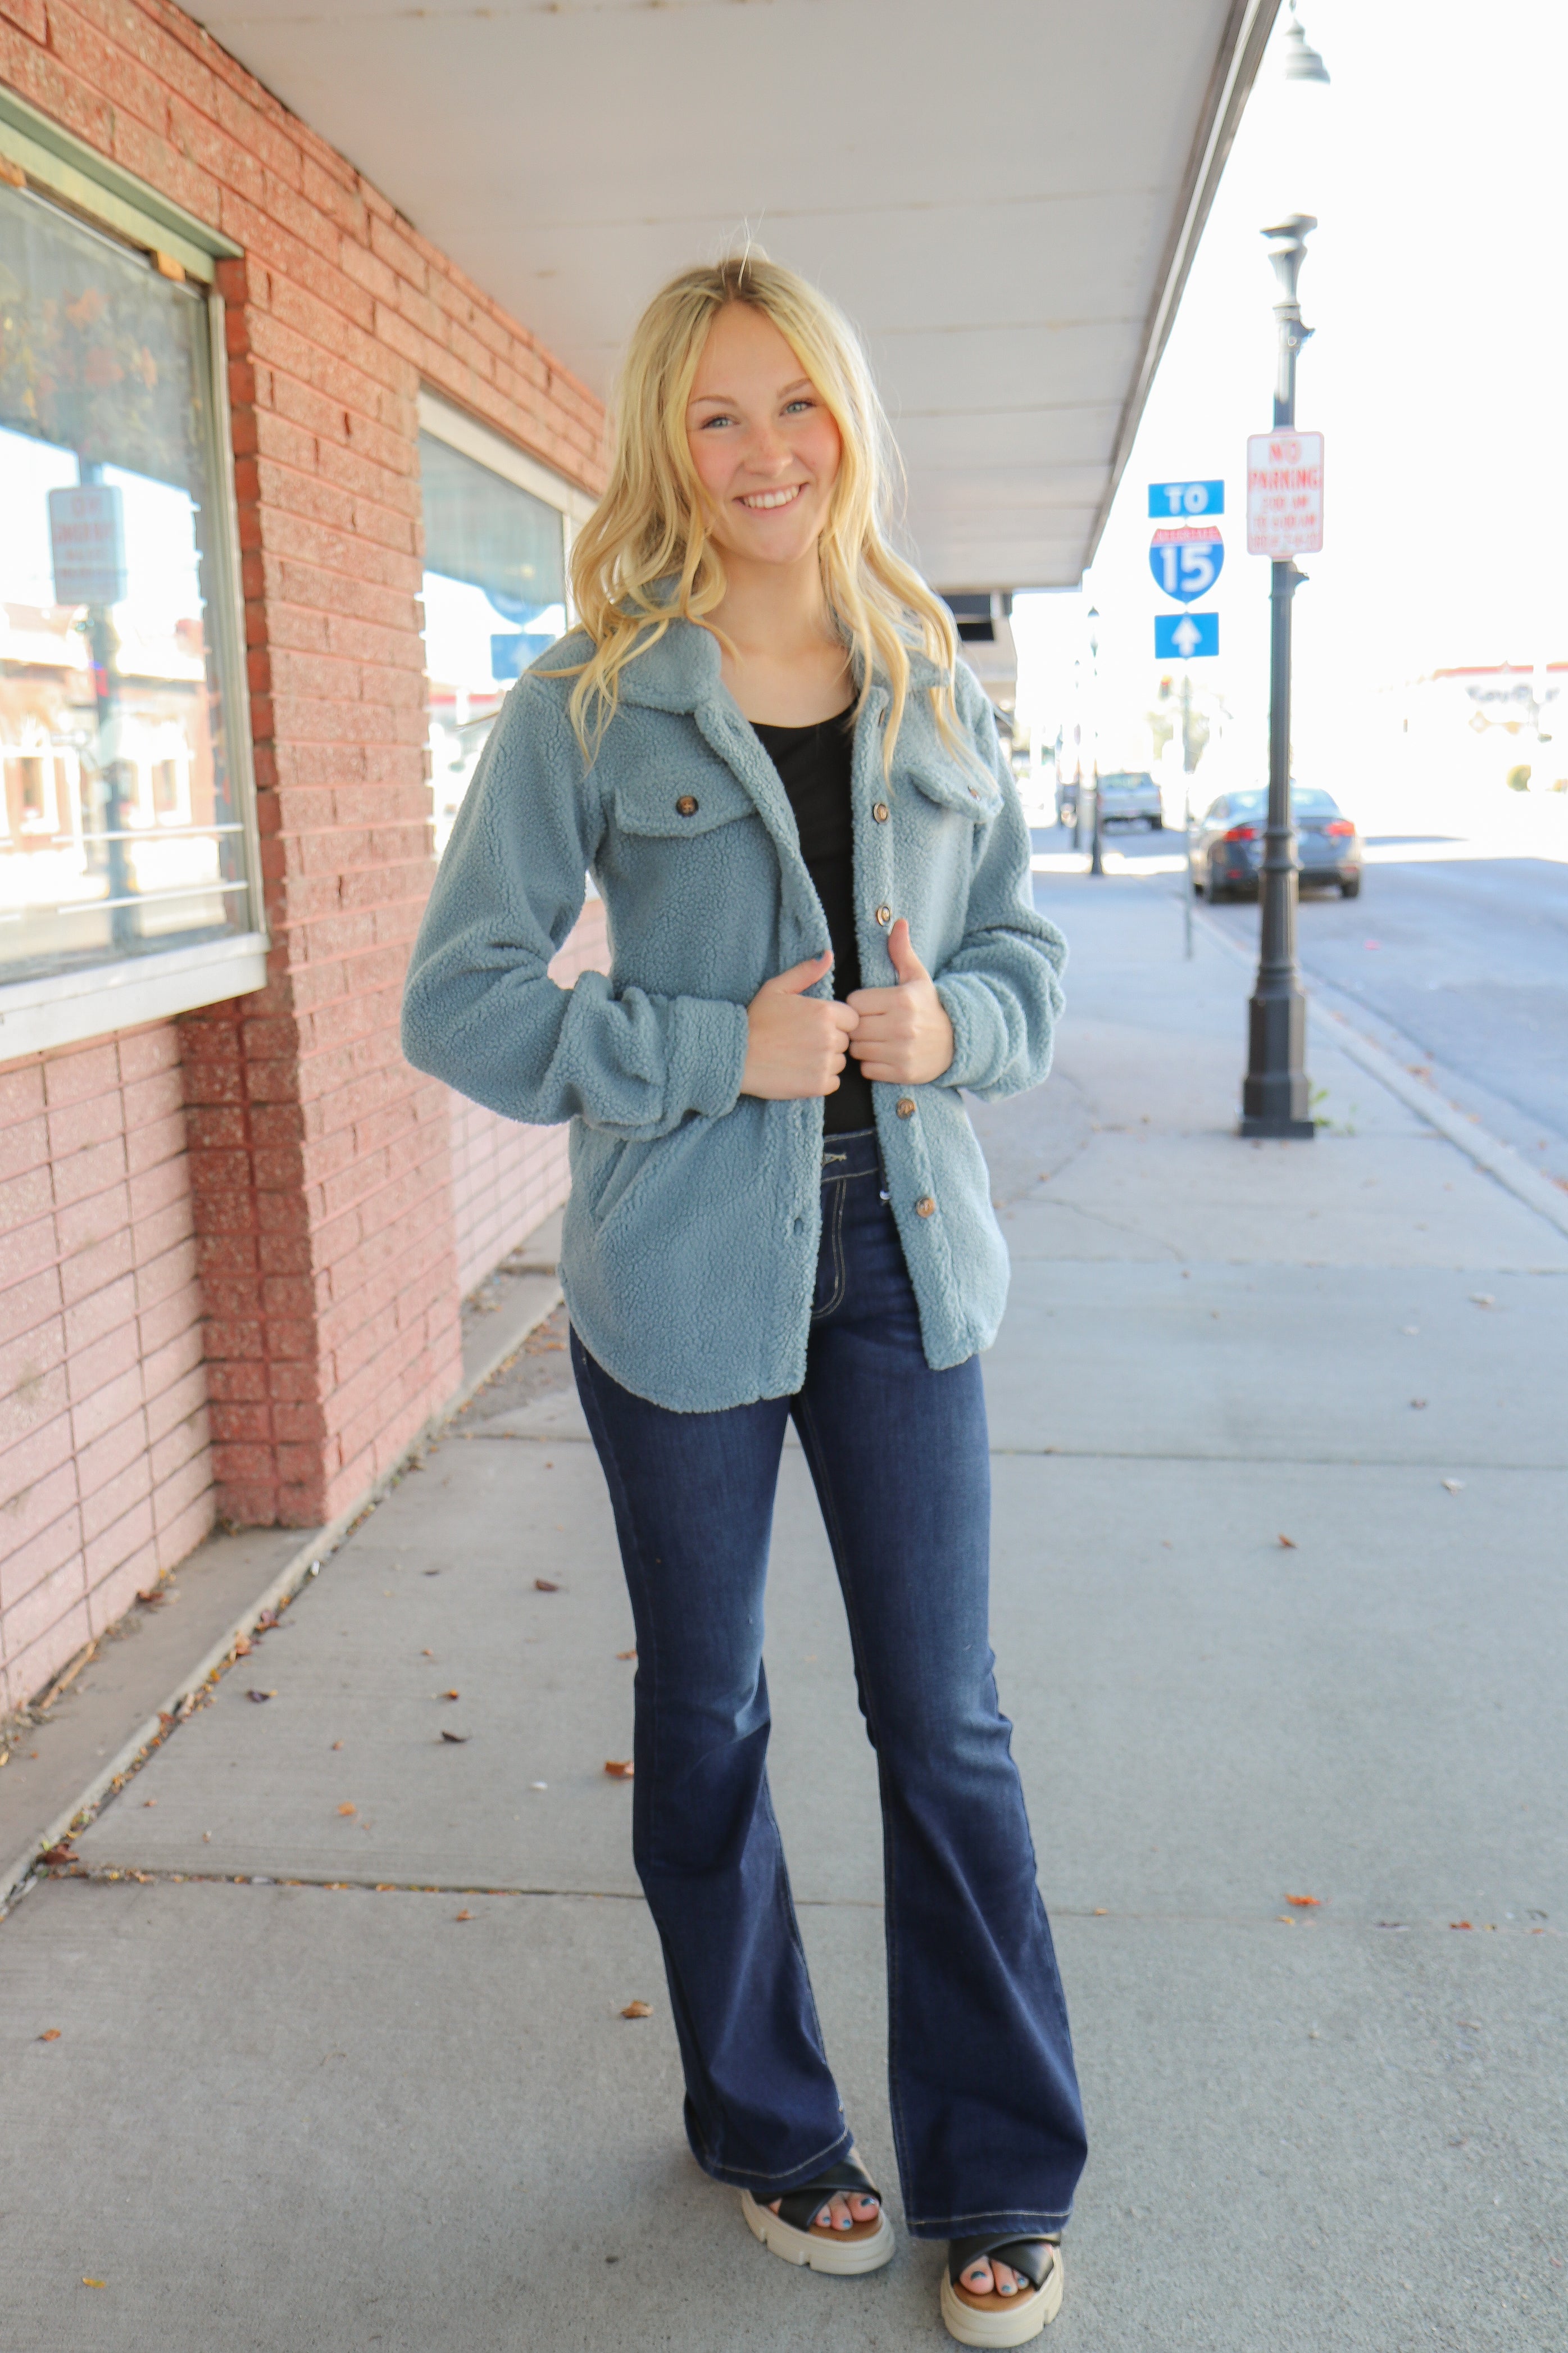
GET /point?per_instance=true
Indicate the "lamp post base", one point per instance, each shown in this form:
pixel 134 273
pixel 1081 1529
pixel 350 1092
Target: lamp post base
pixel 1293 1131
pixel 1273 1093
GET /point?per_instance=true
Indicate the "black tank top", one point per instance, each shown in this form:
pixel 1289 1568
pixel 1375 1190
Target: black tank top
pixel 814 766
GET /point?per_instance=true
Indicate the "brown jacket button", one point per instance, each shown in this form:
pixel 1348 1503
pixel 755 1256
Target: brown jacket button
pixel 905 1107
pixel 879 811
pixel 884 914
pixel 925 1206
pixel 687 805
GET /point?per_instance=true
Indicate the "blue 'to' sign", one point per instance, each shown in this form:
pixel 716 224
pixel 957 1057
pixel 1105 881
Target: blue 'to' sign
pixel 1185 559
pixel 1173 501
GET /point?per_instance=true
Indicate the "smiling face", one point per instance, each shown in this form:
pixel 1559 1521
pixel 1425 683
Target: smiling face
pixel 765 449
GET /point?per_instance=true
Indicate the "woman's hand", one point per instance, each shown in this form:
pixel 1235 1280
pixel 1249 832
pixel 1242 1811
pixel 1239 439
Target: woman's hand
pixel 795 1044
pixel 904 1035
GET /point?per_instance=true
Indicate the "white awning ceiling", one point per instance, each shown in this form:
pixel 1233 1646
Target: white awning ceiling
pixel 1005 195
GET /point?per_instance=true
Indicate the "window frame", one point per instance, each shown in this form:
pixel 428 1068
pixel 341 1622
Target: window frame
pixel 93 1000
pixel 444 422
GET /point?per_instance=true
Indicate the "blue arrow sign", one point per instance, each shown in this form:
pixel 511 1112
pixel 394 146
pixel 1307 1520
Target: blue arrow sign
pixel 1171 500
pixel 1185 559
pixel 1185 637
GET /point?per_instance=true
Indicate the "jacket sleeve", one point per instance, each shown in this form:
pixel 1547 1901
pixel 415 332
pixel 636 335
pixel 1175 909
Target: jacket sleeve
pixel 480 1008
pixel 1002 987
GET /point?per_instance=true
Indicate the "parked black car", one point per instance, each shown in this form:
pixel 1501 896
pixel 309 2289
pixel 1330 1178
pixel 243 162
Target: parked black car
pixel 1227 843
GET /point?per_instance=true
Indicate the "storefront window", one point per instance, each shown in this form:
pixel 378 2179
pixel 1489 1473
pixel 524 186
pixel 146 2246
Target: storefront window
pixel 495 589
pixel 120 832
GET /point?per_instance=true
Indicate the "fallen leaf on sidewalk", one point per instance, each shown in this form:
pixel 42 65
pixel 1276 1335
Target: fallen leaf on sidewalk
pixel 337 1744
pixel 625 1655
pixel 92 2282
pixel 1303 1902
pixel 1455 1486
pixel 346 1809
pixel 545 1585
pixel 58 1855
pixel 618 1769
pixel 449 1694
pixel 1483 1299
pixel 1461 1924
pixel 637 2009
pixel 151 1599
pixel 1288 1544
pixel 50 2034
pixel 457 1738
pixel 241 1646
pixel 462 1915
pixel 259 1695
pixel 426 1654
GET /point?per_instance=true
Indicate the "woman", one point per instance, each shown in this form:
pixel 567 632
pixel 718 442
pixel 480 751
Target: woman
pixel 816 875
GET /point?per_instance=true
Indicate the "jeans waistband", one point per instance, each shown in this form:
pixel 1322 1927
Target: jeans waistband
pixel 856 1154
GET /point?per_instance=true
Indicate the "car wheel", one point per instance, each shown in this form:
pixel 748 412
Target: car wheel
pixel 1350 888
pixel 1156 825
pixel 1214 891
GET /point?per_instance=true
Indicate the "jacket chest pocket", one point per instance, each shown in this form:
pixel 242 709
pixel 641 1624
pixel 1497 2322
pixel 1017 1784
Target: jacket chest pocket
pixel 951 783
pixel 681 803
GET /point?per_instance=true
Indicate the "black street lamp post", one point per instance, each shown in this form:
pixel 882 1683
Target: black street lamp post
pixel 1097 839
pixel 1274 1094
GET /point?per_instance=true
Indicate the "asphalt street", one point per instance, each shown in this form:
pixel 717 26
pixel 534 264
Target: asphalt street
pixel 1455 957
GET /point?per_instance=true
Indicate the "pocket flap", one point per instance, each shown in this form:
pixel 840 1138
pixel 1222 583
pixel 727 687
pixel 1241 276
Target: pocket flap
pixel 953 783
pixel 680 800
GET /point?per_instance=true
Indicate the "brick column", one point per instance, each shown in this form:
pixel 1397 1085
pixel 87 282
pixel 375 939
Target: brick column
pixel 320 1162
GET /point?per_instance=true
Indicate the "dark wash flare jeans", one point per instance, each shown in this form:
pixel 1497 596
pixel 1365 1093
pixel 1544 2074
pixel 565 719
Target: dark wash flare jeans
pixel 986 2117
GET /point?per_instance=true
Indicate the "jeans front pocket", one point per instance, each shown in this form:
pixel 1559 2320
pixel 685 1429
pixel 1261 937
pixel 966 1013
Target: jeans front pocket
pixel 830 1269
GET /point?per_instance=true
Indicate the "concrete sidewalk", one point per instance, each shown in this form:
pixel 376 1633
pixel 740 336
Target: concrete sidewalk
pixel 341 2059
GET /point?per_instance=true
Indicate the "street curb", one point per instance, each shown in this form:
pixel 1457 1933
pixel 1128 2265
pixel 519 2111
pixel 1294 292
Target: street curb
pixel 315 1547
pixel 1488 1151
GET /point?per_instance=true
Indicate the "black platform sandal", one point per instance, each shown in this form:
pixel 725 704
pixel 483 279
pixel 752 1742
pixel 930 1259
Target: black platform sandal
pixel 864 2247
pixel 997 2319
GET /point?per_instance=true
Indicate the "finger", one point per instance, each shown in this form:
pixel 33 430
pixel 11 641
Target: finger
pixel 846 1018
pixel 900 949
pixel 799 975
pixel 871 1000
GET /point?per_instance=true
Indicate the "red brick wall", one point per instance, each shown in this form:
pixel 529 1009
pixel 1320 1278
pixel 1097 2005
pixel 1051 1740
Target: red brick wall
pixel 320 1164
pixel 105 1468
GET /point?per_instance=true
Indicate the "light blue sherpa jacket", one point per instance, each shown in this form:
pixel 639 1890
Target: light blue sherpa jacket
pixel 688 1254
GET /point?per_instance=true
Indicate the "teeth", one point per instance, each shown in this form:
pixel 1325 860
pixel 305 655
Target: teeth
pixel 773 498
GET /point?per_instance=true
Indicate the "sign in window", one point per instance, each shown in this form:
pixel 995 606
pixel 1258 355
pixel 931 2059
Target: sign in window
pixel 495 598
pixel 120 830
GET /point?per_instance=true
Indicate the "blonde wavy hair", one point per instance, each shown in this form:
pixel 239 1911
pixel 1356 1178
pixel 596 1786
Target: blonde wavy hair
pixel 644 557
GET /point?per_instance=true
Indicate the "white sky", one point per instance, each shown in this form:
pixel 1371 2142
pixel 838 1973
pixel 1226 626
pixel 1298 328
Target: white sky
pixel 1437 286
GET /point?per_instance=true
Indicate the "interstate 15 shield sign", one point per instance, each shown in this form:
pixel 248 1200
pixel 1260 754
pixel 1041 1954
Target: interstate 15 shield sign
pixel 1185 559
